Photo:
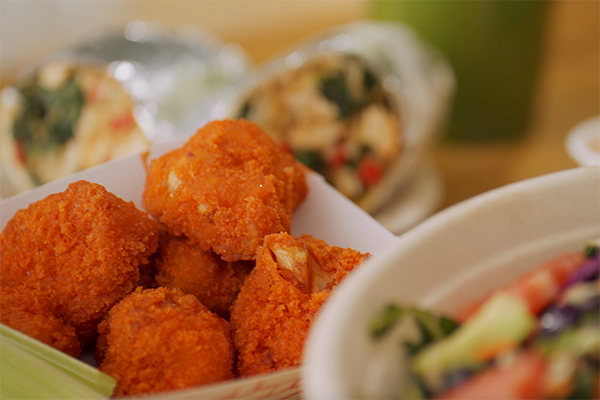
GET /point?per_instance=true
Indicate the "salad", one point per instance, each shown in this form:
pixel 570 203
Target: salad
pixel 538 337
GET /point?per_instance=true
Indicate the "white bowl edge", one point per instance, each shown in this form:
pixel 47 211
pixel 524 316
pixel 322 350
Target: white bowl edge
pixel 579 140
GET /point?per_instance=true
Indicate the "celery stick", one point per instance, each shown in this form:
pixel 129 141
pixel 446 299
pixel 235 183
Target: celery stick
pixel 25 376
pixel 69 366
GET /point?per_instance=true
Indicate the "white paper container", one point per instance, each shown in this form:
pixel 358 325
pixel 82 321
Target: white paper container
pixel 458 255
pixel 325 214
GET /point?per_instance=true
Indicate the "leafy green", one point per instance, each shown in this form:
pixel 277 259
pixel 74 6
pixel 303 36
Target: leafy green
pixel 384 320
pixel 431 327
pixel 591 251
pixel 49 117
pixel 448 325
pixel 584 383
pixel 244 110
pixel 369 80
pixel 311 159
pixel 334 88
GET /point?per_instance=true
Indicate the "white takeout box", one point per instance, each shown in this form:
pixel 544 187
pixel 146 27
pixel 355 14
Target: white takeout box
pixel 458 255
pixel 325 214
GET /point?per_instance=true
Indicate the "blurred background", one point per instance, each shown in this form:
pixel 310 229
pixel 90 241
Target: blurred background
pixel 527 72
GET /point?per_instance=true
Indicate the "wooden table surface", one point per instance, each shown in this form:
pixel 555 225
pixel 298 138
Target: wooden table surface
pixel 568 90
pixel 568 93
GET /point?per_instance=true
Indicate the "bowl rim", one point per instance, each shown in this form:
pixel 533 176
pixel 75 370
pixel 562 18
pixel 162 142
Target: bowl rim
pixel 577 142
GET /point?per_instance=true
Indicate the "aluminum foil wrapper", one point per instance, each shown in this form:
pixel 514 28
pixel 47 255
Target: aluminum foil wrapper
pixel 172 83
pixel 361 104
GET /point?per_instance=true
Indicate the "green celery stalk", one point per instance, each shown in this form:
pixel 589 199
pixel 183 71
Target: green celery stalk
pixel 33 370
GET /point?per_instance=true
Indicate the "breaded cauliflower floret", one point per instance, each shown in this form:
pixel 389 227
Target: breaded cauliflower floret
pixel 162 339
pixel 281 297
pixel 181 264
pixel 80 249
pixel 22 309
pixel 227 188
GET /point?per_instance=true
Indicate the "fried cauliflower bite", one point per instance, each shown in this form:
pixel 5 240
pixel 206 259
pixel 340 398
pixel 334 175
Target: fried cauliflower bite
pixel 80 249
pixel 162 339
pixel 281 297
pixel 184 265
pixel 227 188
pixel 22 309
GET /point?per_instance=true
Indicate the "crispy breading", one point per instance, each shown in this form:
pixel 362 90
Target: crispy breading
pixel 22 309
pixel 162 339
pixel 226 188
pixel 184 265
pixel 80 249
pixel 281 297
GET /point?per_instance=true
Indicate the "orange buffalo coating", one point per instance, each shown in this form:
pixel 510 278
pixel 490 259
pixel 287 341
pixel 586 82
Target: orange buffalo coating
pixel 184 265
pixel 79 249
pixel 162 339
pixel 226 188
pixel 281 297
pixel 23 310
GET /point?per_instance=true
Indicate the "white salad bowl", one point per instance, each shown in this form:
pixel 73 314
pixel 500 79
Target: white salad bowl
pixel 456 256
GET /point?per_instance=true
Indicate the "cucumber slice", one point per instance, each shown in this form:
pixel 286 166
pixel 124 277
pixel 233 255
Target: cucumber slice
pixel 502 323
